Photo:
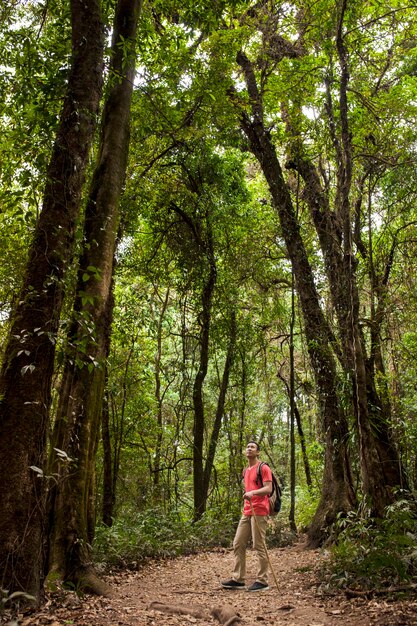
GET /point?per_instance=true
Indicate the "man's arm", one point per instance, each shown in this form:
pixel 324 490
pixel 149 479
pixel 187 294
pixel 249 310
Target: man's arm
pixel 263 491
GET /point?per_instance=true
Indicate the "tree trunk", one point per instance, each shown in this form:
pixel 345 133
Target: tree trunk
pixel 292 410
pixel 306 462
pixel 198 402
pixel 380 464
pixel 84 375
pixel 205 250
pixel 337 495
pixel 372 415
pixel 158 394
pixel 108 491
pixel 301 436
pixel 25 379
pixel 220 408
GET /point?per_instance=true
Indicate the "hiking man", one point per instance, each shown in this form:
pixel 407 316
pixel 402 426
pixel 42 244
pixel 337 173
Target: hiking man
pixel 250 525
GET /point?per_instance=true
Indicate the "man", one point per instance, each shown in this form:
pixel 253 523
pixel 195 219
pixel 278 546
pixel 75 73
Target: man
pixel 250 525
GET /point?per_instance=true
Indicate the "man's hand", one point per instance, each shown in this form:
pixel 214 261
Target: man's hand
pixel 248 495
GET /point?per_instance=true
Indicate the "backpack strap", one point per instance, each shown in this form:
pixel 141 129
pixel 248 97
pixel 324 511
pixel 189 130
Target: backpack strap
pixel 259 480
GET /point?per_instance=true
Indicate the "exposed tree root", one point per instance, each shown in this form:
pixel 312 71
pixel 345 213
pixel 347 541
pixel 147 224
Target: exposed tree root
pixel 353 593
pixel 178 609
pixel 225 614
pixel 85 579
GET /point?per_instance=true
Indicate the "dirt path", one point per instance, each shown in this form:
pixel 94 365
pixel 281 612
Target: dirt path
pixel 194 582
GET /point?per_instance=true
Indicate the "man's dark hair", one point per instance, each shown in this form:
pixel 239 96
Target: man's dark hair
pixel 256 444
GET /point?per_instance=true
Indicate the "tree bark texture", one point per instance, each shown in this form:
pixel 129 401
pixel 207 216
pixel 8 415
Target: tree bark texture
pixel 25 379
pixel 81 401
pixel 337 494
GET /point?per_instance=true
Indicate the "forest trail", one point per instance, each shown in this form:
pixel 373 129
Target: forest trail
pixel 194 582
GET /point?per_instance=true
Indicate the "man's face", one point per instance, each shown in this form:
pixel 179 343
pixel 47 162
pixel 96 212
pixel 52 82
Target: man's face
pixel 252 450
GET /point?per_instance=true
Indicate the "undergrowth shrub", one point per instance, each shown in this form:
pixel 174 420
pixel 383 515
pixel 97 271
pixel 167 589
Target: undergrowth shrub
pixel 306 505
pixel 215 529
pixel 279 533
pixel 370 553
pixel 154 533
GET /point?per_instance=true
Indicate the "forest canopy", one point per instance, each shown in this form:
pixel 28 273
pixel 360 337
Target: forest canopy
pixel 209 235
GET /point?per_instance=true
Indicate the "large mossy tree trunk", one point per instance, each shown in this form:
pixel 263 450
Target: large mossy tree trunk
pixel 381 468
pixel 337 492
pixel 25 379
pixel 81 401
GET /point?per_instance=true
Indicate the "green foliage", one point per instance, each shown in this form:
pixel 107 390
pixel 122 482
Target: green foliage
pixel 35 44
pixel 279 533
pixel 306 505
pixel 372 553
pixel 153 533
pixel 189 165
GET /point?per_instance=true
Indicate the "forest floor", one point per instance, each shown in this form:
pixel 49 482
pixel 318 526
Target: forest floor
pixel 193 583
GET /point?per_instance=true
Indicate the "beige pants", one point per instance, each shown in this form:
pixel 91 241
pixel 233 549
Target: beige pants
pixel 246 529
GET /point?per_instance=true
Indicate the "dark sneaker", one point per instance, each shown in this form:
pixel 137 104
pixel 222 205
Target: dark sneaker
pixel 257 586
pixel 232 584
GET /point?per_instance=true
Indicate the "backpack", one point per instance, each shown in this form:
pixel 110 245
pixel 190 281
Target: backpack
pixel 275 496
